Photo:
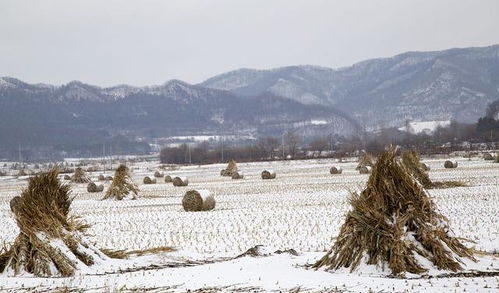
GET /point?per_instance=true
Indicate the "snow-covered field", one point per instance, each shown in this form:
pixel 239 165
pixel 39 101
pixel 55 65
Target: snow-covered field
pixel 302 209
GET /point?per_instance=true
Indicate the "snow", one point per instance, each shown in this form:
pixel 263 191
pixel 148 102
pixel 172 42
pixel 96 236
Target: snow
pixel 417 127
pixel 302 209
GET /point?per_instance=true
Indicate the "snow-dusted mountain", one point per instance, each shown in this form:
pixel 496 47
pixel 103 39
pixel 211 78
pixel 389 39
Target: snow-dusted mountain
pixel 41 114
pixel 452 84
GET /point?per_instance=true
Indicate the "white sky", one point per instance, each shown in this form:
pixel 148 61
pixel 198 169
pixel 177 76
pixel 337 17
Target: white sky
pixel 109 42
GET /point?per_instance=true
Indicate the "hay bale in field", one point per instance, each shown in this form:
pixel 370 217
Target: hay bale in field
pixel 148 180
pixel 50 242
pixel 425 167
pixel 122 185
pixel 67 177
pixel 365 170
pixel 109 178
pixel 394 224
pixel 488 157
pixel 268 174
pixel 22 173
pixel 101 177
pixel 366 160
pixel 497 159
pixel 198 200
pixel 231 168
pixel 335 170
pixel 157 174
pixel 180 181
pixel 80 176
pixel 168 179
pixel 450 165
pixel 92 187
pixel 411 161
pixel 238 175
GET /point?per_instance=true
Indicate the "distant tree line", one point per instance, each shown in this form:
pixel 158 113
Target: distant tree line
pixel 293 146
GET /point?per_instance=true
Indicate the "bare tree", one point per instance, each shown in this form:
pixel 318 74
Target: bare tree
pixel 293 141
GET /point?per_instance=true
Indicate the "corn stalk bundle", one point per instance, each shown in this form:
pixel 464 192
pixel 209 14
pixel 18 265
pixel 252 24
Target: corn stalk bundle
pixel 238 175
pixel 231 168
pixel 268 174
pixel 122 185
pixel 92 187
pixel 488 157
pixel 335 170
pixel 450 165
pixel 365 169
pixel 180 181
pixel 22 173
pixel 148 180
pixel 168 179
pixel 80 176
pixel 51 242
pixel 393 223
pixel 198 200
pixel 366 160
pixel 411 161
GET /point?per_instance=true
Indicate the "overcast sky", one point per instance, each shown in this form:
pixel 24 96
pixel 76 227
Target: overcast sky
pixel 146 42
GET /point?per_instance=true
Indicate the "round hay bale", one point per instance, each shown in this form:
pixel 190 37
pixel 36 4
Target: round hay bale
pixel 148 180
pixel 488 157
pixel 67 177
pixel 180 181
pixel 158 175
pixel 425 167
pixel 335 170
pixel 92 187
pixel 450 165
pixel 268 174
pixel 168 179
pixel 101 177
pixel 110 178
pixel 238 175
pixel 365 170
pixel 198 200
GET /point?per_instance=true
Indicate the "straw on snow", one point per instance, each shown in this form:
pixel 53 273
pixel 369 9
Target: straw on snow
pixel 366 160
pixel 268 174
pixel 80 176
pixel 51 242
pixel 230 170
pixel 392 220
pixel 180 181
pixel 122 185
pixel 198 200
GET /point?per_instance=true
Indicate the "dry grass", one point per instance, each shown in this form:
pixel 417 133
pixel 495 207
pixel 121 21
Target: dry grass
pixel 366 160
pixel 42 214
pixel 230 170
pixel 411 161
pixel 391 220
pixel 122 185
pixel 80 176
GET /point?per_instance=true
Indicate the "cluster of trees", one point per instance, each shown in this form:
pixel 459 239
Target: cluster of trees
pixel 291 145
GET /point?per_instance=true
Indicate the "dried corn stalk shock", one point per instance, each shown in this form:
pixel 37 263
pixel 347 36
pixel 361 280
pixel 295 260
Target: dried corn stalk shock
pixel 393 224
pixel 122 185
pixel 50 242
pixel 230 170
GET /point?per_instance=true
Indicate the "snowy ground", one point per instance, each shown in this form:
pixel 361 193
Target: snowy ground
pixel 302 209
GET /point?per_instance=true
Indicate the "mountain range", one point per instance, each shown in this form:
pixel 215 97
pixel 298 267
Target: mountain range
pixel 453 84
